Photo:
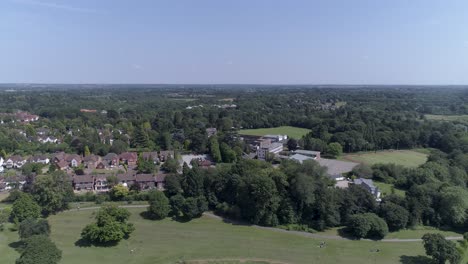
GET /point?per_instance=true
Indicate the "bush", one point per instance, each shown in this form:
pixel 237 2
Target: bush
pixel 31 227
pixel 25 207
pixel 39 249
pixel 111 226
pixel 367 225
pixel 118 192
pixel 159 206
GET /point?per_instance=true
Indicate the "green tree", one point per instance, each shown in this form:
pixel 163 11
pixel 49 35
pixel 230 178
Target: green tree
pixel 112 180
pixel 86 151
pixel 292 144
pixel 334 149
pixel 192 182
pixel 177 203
pixel 159 206
pixel 25 207
pixel 259 200
pixel 170 165
pixel 440 249
pixel 53 192
pixel 118 147
pixel 194 207
pixel 214 149
pixel 145 166
pixel 141 138
pixel 367 225
pixel 172 185
pixel 227 153
pixel 396 216
pixel 111 226
pixel 118 192
pixel 31 227
pixel 39 249
pixel 454 205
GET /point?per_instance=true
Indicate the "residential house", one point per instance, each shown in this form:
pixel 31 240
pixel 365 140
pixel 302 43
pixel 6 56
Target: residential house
pixel 42 159
pixel 111 159
pixel 211 131
pixel 14 182
pixel 91 161
pixel 129 158
pixel 165 154
pixel 160 180
pixel 62 165
pixel 74 160
pixel 47 139
pixel 101 165
pixel 15 161
pixel 127 179
pixel 83 182
pixel 368 184
pixel 152 156
pixel 101 184
pixel 58 157
pixel 146 181
pixel 42 131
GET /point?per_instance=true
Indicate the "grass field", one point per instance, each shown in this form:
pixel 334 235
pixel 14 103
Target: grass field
pixel 447 117
pixel 210 241
pixel 386 189
pixel 293 132
pixel 407 158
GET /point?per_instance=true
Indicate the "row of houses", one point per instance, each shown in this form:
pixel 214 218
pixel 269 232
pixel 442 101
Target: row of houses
pixel 99 183
pixel 64 161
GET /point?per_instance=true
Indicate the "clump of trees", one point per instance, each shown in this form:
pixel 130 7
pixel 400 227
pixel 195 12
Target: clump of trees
pixel 39 249
pixel 25 207
pixel 440 249
pixel 159 207
pixel 367 225
pixel 110 227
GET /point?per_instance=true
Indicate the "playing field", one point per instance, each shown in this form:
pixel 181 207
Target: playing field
pixel 293 132
pixel 209 239
pixel 407 158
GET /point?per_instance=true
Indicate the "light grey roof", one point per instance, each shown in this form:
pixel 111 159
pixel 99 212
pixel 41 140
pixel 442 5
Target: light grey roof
pixel 335 167
pixel 300 158
pixel 307 152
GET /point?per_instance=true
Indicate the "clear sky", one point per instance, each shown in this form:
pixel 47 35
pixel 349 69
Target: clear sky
pixel 234 41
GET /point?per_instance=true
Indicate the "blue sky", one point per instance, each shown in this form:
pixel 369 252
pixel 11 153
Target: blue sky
pixel 240 41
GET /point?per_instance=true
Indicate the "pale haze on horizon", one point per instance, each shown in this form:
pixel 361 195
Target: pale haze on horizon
pixel 243 41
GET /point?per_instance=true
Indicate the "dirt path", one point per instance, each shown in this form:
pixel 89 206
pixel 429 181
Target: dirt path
pixel 320 236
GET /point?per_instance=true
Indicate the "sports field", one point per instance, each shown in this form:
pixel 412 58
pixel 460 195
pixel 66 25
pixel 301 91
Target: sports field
pixel 293 132
pixel 210 241
pixel 407 158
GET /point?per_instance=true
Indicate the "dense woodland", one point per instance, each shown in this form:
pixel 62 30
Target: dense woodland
pixel 295 196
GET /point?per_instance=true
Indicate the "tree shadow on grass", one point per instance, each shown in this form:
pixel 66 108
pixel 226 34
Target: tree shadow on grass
pixel 85 243
pixel 344 233
pixel 18 245
pixel 415 260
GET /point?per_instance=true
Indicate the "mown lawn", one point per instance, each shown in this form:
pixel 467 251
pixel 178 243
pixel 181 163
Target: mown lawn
pixel 169 241
pixel 407 158
pixel 293 132
pixel 386 189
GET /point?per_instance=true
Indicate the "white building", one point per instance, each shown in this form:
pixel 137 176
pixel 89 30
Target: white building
pixel 276 138
pixel 267 147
